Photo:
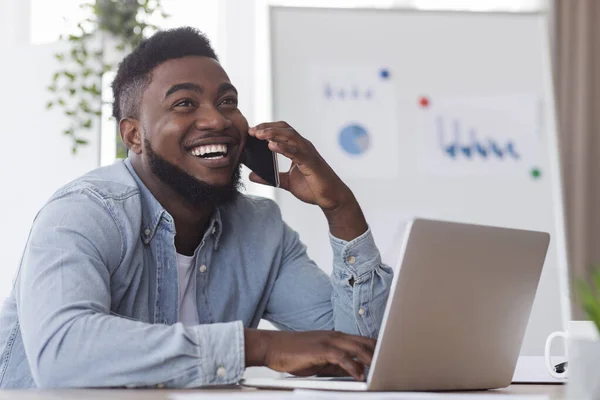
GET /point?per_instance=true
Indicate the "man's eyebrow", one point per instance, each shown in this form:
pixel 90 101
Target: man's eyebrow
pixel 225 87
pixel 184 86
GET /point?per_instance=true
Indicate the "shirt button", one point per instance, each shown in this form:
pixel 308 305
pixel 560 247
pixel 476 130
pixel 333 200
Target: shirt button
pixel 147 232
pixel 351 260
pixel 221 372
pixel 203 268
pixel 361 311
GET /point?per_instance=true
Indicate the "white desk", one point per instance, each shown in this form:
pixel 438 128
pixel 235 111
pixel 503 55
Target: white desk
pixel 556 392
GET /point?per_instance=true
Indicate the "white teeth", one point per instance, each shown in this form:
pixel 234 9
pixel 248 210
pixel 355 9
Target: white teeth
pixel 211 148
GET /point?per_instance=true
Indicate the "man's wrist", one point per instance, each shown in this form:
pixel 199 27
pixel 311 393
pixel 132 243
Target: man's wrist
pixel 255 347
pixel 346 221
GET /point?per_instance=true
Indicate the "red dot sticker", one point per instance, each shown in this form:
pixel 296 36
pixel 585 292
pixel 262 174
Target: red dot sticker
pixel 424 102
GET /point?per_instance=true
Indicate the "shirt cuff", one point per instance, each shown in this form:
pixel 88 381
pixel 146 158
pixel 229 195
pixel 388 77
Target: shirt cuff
pixel 359 256
pixel 222 352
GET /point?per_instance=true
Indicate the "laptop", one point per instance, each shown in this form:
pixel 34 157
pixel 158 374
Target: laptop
pixel 457 311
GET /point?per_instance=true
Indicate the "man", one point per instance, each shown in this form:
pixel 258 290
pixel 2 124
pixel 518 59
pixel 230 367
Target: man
pixel 156 271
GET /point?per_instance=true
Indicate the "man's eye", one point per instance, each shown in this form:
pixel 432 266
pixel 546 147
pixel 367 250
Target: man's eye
pixel 230 101
pixel 184 103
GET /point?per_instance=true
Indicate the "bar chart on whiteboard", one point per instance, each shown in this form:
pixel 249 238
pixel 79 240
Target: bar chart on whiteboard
pixel 479 135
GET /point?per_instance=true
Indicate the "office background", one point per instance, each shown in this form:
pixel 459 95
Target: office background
pixel 35 159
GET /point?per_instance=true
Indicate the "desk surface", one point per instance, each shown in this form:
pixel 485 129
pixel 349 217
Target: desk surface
pixel 556 392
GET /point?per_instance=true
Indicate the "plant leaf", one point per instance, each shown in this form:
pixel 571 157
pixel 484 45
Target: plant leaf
pixel 588 301
pixel 596 282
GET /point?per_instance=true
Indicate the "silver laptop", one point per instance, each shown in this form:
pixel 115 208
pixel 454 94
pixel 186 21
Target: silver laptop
pixel 457 311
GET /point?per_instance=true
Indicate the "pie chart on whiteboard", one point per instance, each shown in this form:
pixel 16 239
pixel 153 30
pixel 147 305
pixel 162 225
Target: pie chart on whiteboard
pixel 354 139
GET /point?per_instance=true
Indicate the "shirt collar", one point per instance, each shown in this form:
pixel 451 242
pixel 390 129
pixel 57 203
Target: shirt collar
pixel 216 228
pixel 153 211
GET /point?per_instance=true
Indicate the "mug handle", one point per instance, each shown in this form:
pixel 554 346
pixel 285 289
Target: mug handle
pixel 549 365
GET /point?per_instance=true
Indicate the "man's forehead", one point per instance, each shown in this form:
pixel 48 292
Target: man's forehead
pixel 201 70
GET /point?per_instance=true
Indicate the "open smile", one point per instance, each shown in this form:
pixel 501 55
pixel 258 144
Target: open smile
pixel 216 155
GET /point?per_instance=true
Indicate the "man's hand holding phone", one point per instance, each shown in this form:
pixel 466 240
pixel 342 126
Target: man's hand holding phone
pixel 311 179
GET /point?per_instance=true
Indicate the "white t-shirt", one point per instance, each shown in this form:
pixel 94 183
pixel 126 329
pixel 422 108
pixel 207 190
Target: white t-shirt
pixel 186 276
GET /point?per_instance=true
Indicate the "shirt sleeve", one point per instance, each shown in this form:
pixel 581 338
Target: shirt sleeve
pixel 352 300
pixel 63 299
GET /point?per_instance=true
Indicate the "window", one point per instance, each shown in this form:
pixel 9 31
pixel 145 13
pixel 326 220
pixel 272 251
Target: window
pixel 48 21
pixel 479 5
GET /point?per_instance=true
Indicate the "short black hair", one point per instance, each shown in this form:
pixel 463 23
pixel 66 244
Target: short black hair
pixel 134 73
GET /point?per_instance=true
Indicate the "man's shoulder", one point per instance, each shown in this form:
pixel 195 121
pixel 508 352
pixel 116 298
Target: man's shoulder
pixel 253 209
pixel 111 182
pixel 256 203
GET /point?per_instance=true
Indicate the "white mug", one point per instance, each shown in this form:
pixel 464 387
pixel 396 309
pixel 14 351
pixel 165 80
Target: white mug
pixel 576 330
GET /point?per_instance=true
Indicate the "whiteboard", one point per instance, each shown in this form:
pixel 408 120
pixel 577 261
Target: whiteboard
pixel 434 77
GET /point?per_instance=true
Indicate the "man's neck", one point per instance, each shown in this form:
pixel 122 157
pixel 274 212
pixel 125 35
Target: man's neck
pixel 191 221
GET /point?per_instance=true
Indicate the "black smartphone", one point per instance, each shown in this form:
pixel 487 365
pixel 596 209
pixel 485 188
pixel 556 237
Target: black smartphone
pixel 260 159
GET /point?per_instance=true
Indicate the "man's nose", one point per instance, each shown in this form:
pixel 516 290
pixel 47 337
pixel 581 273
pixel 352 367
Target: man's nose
pixel 211 119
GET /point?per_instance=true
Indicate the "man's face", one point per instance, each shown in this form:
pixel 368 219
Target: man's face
pixel 189 119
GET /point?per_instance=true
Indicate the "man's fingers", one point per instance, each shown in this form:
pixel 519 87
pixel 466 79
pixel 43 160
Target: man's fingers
pixel 265 125
pixel 281 135
pixel 347 362
pixel 257 179
pixel 332 370
pixel 356 349
pixel 292 152
pixel 366 341
pixel 287 150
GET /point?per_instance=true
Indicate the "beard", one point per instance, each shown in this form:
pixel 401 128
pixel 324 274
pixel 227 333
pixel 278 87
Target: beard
pixel 193 190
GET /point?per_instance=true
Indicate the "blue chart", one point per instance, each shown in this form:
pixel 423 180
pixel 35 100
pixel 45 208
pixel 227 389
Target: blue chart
pixel 354 139
pixel 475 147
pixel 355 119
pixel 348 91
pixel 353 92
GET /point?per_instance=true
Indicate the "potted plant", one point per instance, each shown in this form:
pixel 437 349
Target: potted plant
pixel 584 354
pixel 111 30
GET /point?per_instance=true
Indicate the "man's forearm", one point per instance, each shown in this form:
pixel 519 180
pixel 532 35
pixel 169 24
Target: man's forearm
pixel 132 353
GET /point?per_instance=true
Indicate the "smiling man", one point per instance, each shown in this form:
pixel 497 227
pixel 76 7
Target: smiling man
pixel 156 271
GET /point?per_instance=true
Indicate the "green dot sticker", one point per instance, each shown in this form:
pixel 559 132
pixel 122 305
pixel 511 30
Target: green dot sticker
pixel 536 173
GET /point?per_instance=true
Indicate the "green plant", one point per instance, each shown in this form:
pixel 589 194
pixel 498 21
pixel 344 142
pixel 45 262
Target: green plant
pixel 589 295
pixel 76 85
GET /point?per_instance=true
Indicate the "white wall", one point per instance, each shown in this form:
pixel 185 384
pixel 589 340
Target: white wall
pixel 35 157
pixel 14 22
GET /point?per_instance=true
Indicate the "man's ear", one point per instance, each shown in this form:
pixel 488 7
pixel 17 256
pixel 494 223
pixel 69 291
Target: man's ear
pixel 131 134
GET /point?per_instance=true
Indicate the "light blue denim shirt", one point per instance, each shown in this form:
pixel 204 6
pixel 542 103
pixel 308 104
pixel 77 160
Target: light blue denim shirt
pixel 95 302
